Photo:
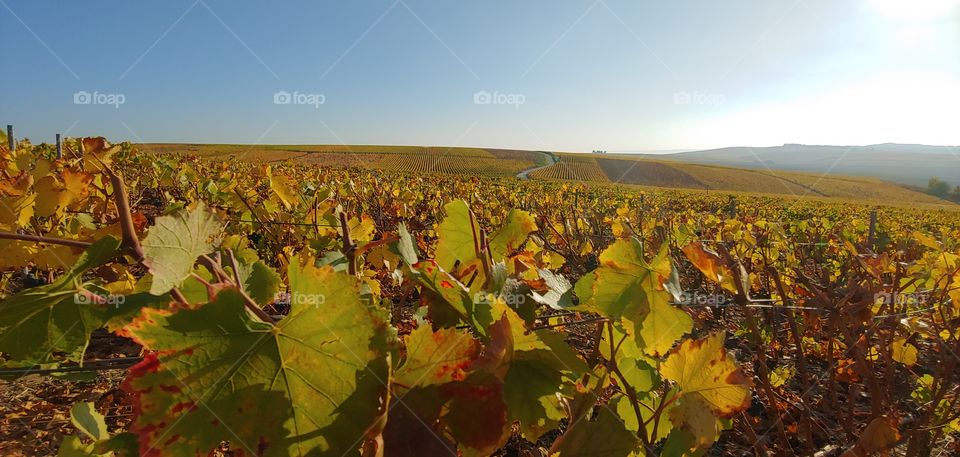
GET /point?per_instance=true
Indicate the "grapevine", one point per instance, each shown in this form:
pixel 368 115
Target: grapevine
pixel 290 308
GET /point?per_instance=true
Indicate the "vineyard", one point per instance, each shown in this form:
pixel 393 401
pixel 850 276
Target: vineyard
pixel 410 159
pixel 189 304
pixel 646 172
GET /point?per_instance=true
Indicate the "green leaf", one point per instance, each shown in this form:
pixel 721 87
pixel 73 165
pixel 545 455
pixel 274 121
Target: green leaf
pixel 459 240
pixel 449 300
pixel 173 244
pixel 262 284
pixel 122 445
pixel 606 435
pixel 414 427
pixel 626 286
pixel 512 234
pixel 406 247
pixel 312 382
pixel 71 446
pixel 57 317
pixel 648 404
pixel 530 390
pixel 86 419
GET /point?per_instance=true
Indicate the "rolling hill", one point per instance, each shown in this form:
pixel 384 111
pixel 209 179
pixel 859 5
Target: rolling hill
pixel 639 170
pixel 903 163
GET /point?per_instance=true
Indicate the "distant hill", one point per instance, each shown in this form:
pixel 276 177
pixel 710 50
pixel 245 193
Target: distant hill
pixel 647 171
pixel 692 170
pixel 912 164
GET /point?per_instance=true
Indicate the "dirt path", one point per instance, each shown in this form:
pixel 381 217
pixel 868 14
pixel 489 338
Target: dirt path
pixel 525 174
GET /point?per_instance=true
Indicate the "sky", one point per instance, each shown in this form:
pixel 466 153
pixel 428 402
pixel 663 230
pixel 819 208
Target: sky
pixel 615 75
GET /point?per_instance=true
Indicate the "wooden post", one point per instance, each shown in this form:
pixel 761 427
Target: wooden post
pixel 873 228
pixel 11 140
pixel 732 208
pixel 59 148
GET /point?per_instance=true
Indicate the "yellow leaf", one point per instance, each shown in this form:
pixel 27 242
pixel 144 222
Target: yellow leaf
pixel 284 189
pixel 48 196
pixel 362 229
pixel 16 212
pixel 903 352
pixel 693 414
pixel 76 184
pixel 780 375
pixel 701 367
pixel 926 240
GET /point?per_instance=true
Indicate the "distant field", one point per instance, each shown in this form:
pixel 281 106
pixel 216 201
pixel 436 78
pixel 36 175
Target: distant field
pixel 588 168
pixel 645 172
pixel 412 159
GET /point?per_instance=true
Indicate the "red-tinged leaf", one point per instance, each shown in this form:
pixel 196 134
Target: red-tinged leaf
pixel 437 357
pixel 312 383
pixel 711 265
pixel 449 301
pixel 477 414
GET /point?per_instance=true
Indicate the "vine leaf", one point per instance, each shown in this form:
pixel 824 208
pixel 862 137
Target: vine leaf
pixel 518 225
pixel 558 288
pixel 605 435
pixel 284 189
pixel 261 282
pixel 711 265
pixel 627 286
pixel 711 386
pixel 459 241
pixel 530 390
pixel 541 363
pixel 903 351
pixel 57 317
pixel 437 357
pixel 701 367
pixel 173 244
pixel 314 382
pixel 466 418
pixel 86 419
pixel 406 246
pixel 449 301
pixel 15 212
pixel 879 436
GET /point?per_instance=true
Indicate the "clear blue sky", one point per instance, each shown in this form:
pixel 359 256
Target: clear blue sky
pixel 611 74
